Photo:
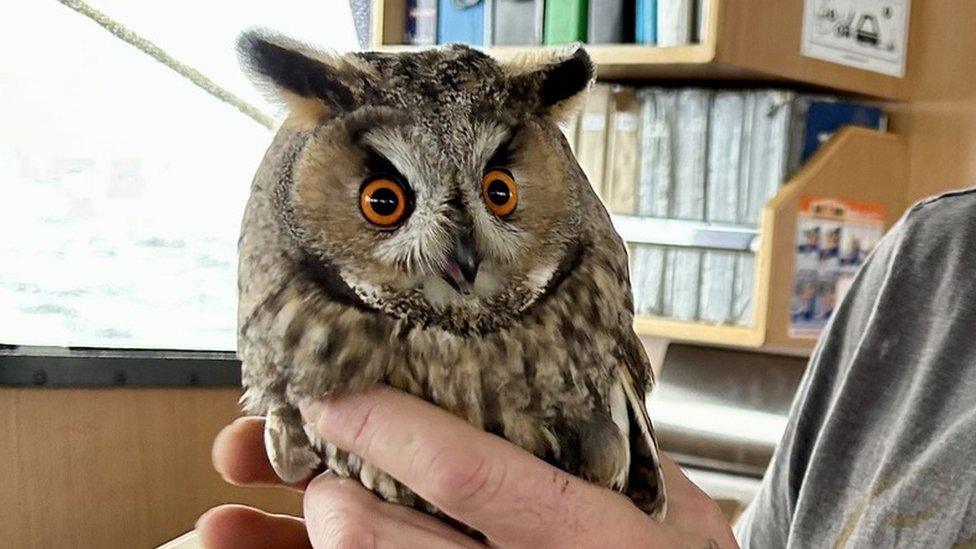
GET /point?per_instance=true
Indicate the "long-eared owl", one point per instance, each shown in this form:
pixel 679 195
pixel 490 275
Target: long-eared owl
pixel 419 221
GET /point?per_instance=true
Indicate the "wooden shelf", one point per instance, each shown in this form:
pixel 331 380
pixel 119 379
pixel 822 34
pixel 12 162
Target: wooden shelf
pixel 751 40
pixel 690 332
pixel 857 164
pixel 632 61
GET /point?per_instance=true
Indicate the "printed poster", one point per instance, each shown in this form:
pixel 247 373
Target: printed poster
pixel 833 238
pixel 865 34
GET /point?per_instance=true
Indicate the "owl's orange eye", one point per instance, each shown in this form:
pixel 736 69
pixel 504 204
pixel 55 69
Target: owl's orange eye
pixel 499 191
pixel 383 201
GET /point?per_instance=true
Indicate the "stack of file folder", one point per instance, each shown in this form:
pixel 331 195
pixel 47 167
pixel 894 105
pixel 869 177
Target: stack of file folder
pixel 535 22
pixel 708 158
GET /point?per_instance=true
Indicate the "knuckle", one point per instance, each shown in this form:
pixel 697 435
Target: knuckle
pixel 340 513
pixel 366 431
pixel 348 525
pixel 465 480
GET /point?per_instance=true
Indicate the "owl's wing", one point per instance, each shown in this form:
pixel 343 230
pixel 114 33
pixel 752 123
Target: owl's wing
pixel 645 481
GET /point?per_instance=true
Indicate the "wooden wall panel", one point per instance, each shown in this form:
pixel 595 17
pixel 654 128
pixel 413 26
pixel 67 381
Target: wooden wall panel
pixel 765 36
pixel 940 122
pixel 114 467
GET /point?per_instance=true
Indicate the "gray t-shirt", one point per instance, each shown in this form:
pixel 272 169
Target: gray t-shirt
pixel 880 448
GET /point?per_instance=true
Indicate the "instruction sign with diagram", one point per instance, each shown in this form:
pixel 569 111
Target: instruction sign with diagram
pixel 833 238
pixel 866 34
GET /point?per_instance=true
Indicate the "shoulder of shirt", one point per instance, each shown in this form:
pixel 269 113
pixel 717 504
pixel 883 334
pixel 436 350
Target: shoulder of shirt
pixel 948 219
pixel 944 209
pixel 958 199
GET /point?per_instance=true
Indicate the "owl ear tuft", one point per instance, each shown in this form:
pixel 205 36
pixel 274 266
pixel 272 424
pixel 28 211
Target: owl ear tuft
pixel 559 83
pixel 567 78
pixel 314 85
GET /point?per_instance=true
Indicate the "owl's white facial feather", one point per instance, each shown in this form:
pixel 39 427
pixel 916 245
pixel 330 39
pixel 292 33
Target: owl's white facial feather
pixel 420 244
pixel 438 293
pixel 540 276
pixel 488 283
pixel 499 239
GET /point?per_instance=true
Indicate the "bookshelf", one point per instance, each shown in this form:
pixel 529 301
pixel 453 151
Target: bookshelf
pixel 876 161
pixel 746 40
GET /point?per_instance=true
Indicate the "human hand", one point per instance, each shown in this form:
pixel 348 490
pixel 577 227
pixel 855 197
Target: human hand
pixel 514 498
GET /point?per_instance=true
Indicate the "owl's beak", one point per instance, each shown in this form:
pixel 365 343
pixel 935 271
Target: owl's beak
pixel 462 265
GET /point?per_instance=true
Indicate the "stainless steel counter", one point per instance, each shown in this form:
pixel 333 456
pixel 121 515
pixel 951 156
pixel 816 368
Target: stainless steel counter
pixel 720 414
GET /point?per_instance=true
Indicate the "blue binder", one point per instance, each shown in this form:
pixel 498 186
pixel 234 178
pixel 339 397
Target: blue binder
pixel 646 22
pixel 826 117
pixel 461 21
pixel 421 27
pixel 817 117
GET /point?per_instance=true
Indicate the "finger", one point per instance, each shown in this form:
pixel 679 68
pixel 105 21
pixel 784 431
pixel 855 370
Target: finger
pixel 240 458
pixel 480 479
pixel 240 527
pixel 341 513
pixel 686 499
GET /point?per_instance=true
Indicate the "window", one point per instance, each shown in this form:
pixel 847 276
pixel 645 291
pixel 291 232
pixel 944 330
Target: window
pixel 122 183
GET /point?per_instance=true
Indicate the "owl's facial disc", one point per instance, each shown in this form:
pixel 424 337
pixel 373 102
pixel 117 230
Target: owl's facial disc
pixel 462 236
pixel 433 186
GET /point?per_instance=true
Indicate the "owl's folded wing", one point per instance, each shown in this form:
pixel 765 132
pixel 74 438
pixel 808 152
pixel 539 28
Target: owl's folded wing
pixel 645 481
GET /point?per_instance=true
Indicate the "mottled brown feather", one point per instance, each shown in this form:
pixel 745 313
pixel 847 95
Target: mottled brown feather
pixel 331 303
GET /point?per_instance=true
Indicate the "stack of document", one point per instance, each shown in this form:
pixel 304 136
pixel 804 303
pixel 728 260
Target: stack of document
pixel 706 157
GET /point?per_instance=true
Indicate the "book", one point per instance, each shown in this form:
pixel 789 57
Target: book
pixel 721 203
pixel 591 139
pixel 770 114
pixel 623 151
pixel 701 20
pixel 610 22
pixel 645 22
pixel 565 21
pixel 724 153
pixel 683 265
pixel 816 118
pixel 658 121
pixel 421 26
pixel 675 19
pixel 515 22
pixel 647 278
pixel 690 146
pixel 461 21
pixel 744 289
pixel 745 268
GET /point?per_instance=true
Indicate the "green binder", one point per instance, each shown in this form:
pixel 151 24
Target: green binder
pixel 565 21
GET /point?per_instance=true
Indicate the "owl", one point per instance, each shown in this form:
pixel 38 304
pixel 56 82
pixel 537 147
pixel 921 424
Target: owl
pixel 419 221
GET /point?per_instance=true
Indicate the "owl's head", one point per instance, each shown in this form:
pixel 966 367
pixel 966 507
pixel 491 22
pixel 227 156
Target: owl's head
pixel 433 186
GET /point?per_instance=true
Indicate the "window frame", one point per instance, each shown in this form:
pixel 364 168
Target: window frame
pixel 85 366
pixel 88 367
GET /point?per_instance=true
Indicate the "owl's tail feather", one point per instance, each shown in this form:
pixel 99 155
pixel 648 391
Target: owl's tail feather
pixel 645 480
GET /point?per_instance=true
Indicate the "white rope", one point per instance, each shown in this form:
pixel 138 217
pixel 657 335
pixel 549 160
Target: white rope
pixel 157 53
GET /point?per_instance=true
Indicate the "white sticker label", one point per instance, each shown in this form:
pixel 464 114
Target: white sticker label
pixel 594 122
pixel 625 122
pixel 866 34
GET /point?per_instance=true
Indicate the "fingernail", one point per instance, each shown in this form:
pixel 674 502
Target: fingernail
pixel 312 410
pixel 203 518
